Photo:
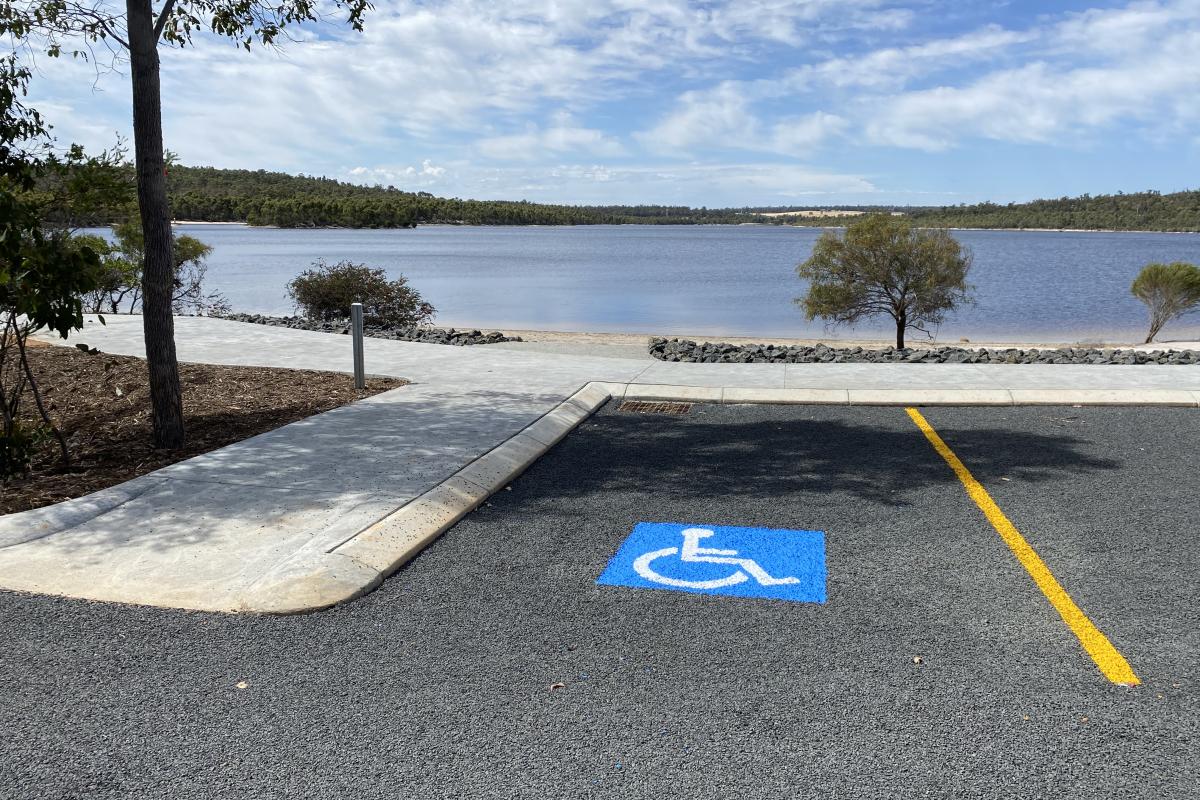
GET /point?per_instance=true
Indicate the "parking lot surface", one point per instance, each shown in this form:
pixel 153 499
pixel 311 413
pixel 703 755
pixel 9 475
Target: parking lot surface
pixel 494 665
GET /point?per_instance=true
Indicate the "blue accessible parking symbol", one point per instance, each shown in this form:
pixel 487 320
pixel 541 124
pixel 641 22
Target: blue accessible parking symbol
pixel 743 562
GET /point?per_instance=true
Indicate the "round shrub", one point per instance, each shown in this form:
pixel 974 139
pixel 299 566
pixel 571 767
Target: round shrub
pixel 326 291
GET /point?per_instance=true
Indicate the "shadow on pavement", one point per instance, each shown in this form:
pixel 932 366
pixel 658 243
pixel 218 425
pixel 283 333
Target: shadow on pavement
pixel 879 458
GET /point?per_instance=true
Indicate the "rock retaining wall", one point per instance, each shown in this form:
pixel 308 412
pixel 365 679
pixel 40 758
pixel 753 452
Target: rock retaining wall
pixel 406 334
pixel 723 353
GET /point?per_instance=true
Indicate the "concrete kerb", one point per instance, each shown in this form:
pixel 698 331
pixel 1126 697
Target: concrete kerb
pixel 310 582
pixel 1106 397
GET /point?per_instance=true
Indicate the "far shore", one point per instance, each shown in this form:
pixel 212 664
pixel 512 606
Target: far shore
pixel 697 225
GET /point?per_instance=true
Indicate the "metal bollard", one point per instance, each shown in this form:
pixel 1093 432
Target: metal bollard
pixel 356 333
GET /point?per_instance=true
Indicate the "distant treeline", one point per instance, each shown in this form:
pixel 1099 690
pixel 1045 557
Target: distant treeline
pixel 1141 211
pixel 291 201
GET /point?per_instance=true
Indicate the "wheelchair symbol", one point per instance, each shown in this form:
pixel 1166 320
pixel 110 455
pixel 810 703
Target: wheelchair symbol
pixel 693 553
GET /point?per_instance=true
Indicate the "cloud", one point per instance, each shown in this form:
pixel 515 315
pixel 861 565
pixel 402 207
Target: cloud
pixel 897 66
pixel 424 176
pixel 719 116
pixel 1072 77
pixel 714 185
pixel 723 119
pixel 1048 101
pixel 561 138
pixel 426 70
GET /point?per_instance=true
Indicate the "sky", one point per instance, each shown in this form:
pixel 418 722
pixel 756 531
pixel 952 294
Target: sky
pixel 746 102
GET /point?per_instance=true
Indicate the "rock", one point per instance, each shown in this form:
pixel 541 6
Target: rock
pixel 674 350
pixel 410 334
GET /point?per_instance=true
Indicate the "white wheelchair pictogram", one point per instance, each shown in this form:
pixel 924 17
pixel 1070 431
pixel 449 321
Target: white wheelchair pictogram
pixel 693 553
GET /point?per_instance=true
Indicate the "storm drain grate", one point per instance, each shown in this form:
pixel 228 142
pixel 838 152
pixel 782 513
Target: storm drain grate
pixel 649 407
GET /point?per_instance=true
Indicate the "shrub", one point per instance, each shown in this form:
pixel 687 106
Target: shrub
pixel 1169 291
pixel 18 445
pixel 326 292
pixel 121 274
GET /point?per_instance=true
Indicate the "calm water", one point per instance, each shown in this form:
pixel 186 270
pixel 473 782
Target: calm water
pixel 704 280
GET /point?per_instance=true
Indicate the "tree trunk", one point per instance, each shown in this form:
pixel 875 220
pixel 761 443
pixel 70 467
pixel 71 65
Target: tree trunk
pixel 901 326
pixel 158 270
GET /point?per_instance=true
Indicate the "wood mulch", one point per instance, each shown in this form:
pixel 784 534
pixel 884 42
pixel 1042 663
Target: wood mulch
pixel 102 403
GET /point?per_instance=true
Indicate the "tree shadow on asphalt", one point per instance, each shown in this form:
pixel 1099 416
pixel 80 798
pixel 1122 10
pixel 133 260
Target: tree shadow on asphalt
pixel 880 459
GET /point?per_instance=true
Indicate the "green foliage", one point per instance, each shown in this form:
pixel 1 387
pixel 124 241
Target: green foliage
pixel 289 201
pixel 76 190
pixel 249 21
pixel 327 290
pixel 42 274
pixel 1169 291
pixel 119 287
pixel 1141 211
pixel 19 444
pixel 884 265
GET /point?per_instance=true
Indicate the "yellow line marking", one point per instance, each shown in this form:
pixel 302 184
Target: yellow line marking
pixel 1107 658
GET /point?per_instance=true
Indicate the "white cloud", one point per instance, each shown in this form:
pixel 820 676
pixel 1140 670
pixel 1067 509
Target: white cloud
pixel 561 138
pixel 723 118
pixel 424 176
pixel 896 66
pixel 720 116
pixel 693 184
pixel 1063 79
pixel 1045 101
pixel 428 70
pixel 803 133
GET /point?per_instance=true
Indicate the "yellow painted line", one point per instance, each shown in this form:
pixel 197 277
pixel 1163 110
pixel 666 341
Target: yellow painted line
pixel 1107 658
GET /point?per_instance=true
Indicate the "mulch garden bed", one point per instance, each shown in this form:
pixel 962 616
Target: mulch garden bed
pixel 102 403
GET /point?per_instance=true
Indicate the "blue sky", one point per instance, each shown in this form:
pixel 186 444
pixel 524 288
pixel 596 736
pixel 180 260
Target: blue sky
pixel 749 102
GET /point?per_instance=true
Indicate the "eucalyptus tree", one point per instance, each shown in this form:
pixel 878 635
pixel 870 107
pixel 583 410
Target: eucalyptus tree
pixel 885 266
pixel 134 31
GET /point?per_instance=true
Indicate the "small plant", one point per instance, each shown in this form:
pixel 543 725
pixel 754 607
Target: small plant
pixel 19 443
pixel 1169 291
pixel 326 291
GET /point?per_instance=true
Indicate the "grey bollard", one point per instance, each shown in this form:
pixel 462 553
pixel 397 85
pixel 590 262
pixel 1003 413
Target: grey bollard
pixel 356 333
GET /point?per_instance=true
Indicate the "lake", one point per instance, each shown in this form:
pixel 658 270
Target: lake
pixel 703 280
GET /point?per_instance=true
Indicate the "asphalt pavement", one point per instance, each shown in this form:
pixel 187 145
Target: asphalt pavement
pixel 495 666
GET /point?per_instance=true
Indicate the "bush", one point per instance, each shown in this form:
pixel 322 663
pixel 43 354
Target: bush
pixel 326 291
pixel 18 445
pixel 1169 291
pixel 121 274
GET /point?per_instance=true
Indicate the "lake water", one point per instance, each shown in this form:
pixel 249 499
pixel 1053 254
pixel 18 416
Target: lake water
pixel 704 280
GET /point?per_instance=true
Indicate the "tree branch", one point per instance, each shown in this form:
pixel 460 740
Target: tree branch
pixel 162 18
pixel 100 20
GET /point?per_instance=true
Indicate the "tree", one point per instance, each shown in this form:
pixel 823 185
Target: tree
pixel 884 265
pixel 121 273
pixel 1169 291
pixel 42 273
pixel 136 34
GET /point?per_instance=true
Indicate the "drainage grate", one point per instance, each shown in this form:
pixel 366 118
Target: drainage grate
pixel 654 407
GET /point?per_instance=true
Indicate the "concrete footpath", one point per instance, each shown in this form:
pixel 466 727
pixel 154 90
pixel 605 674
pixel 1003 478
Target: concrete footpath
pixel 320 511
